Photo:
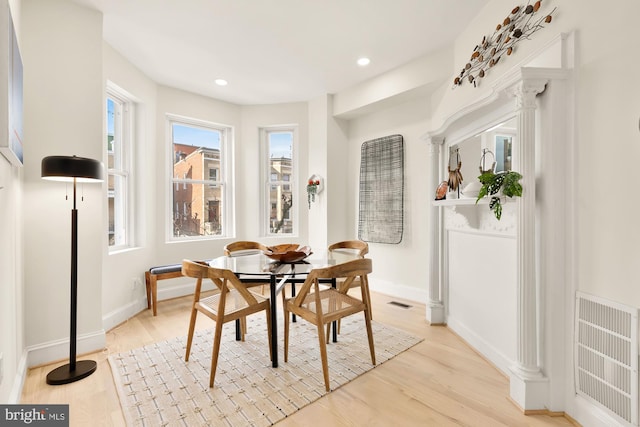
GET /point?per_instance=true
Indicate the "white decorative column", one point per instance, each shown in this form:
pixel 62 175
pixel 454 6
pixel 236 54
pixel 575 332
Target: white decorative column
pixel 529 387
pixel 435 307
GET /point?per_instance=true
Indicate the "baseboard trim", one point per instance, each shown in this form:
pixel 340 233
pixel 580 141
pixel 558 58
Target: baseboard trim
pixel 123 314
pixel 547 412
pixel 398 290
pixel 52 351
pixel 480 346
pixel 15 395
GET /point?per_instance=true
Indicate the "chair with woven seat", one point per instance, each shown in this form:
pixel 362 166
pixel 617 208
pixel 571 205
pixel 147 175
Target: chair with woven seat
pixel 247 247
pixel 233 302
pixel 361 249
pixel 322 306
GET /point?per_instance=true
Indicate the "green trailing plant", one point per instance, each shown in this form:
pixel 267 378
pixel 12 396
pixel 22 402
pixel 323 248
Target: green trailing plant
pixel 494 185
pixel 312 190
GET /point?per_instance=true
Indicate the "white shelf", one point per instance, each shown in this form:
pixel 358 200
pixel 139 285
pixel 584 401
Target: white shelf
pixel 460 202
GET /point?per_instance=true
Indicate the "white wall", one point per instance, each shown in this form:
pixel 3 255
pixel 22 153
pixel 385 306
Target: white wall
pixel 63 115
pixel 318 164
pixel 11 275
pixel 403 272
pixel 11 272
pixel 330 220
pixel 339 225
pixel 482 293
pixel 121 299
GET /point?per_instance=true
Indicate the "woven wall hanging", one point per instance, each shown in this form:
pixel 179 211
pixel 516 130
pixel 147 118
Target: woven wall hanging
pixel 381 208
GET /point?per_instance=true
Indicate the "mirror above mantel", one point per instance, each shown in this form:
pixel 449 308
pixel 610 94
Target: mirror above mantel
pixel 490 149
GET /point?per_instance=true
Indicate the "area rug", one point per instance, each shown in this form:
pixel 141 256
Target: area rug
pixel 157 387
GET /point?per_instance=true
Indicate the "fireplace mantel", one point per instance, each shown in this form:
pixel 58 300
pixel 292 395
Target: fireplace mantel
pixel 537 99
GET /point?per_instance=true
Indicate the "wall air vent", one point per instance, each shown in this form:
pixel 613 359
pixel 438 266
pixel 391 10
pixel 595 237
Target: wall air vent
pixel 606 352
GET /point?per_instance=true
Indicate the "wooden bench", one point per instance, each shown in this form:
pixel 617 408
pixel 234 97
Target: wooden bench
pixel 151 278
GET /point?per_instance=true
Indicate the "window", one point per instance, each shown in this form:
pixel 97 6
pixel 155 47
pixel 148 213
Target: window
pixel 119 156
pixel 280 171
pixel 200 193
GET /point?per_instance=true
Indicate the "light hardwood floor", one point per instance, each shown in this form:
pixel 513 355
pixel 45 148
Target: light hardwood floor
pixel 439 382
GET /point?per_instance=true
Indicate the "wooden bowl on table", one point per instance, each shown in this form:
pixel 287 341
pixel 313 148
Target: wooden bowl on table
pixel 288 253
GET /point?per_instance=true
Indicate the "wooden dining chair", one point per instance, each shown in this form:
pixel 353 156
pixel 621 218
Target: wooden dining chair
pixel 233 302
pixel 322 306
pixel 245 247
pixel 361 249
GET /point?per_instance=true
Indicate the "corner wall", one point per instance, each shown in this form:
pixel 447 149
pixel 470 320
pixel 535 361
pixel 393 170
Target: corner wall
pixel 63 115
pixel 404 273
pixel 11 276
pixel 12 338
pixel 122 296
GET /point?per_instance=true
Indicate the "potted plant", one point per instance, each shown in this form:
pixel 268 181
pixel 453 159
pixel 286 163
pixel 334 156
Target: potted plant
pixel 312 190
pixel 497 184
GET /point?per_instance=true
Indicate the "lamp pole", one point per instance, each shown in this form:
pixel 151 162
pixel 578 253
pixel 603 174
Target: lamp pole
pixel 73 371
pixel 73 321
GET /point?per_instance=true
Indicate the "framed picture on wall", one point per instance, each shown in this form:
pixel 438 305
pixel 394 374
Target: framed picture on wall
pixel 11 72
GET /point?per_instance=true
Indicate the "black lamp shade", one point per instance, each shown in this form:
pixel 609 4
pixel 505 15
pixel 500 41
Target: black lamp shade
pixel 66 168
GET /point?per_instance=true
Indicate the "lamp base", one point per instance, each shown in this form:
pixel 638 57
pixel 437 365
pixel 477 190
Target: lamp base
pixel 63 375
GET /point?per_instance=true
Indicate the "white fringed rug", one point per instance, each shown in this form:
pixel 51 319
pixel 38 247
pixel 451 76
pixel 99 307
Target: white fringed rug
pixel 158 388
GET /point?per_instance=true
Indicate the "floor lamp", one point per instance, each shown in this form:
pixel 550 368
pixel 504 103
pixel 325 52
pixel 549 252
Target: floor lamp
pixel 72 169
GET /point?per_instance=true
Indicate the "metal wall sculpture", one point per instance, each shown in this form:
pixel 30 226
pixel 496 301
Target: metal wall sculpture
pixel 519 25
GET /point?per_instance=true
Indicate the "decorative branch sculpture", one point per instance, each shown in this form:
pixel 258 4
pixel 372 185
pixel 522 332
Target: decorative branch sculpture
pixel 519 25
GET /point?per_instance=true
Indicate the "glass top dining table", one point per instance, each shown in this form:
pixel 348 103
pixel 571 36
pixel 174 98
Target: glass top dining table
pixel 252 266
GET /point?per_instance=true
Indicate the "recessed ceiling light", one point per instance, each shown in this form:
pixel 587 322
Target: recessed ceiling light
pixel 363 62
pixel 221 82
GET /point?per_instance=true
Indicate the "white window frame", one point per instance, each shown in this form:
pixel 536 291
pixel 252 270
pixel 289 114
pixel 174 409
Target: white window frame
pixel 265 177
pixel 226 180
pixel 125 123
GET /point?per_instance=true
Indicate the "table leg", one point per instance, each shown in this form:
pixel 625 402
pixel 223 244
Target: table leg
pixel 335 323
pixel 238 334
pixel 293 294
pixel 274 321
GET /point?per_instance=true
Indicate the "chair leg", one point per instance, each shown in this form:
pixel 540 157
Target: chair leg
pixel 367 321
pixel 323 356
pixel 268 311
pixel 192 326
pixel 147 283
pixel 286 334
pixel 154 293
pixel 216 350
pixel 368 297
pixel 243 328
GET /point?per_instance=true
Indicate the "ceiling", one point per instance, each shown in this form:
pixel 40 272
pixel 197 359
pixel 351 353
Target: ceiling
pixel 275 51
